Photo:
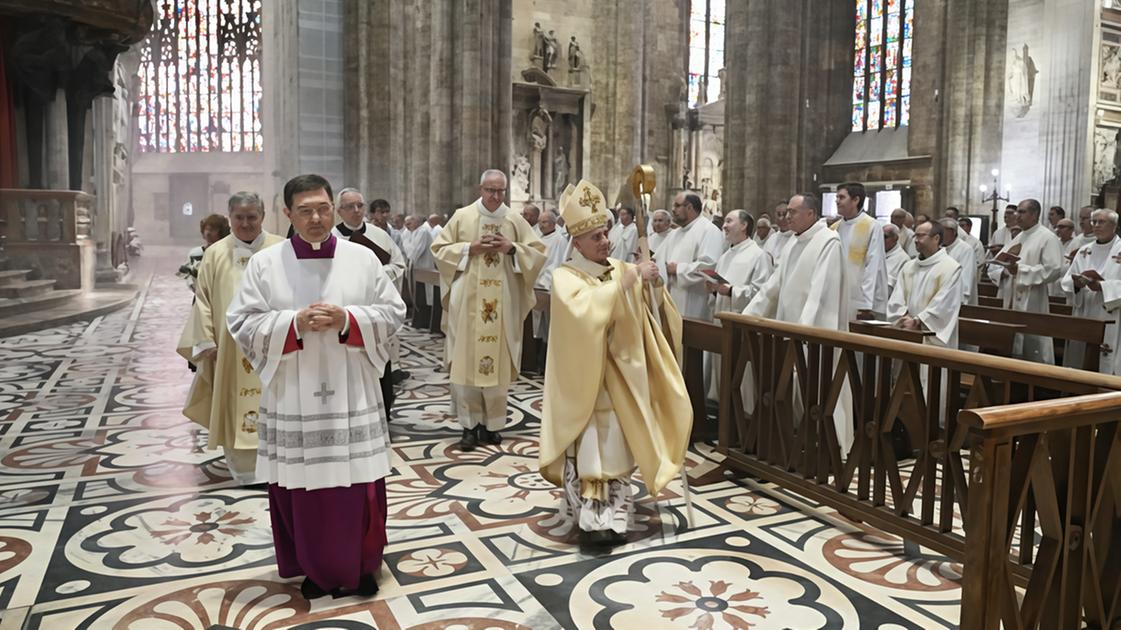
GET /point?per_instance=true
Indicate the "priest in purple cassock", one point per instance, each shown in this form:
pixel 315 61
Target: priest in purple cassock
pixel 313 318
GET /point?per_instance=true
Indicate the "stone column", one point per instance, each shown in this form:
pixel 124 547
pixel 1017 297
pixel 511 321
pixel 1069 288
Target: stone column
pixel 57 153
pixel 788 96
pixel 105 200
pixel 280 105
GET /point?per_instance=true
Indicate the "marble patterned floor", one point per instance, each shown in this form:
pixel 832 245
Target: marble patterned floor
pixel 113 515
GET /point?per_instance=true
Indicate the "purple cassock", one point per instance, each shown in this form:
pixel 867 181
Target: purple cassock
pixel 331 535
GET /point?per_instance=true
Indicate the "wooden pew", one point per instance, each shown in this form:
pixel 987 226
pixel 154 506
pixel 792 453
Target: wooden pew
pixel 533 350
pixel 1058 327
pixel 986 289
pixel 991 337
pixel 699 337
pixel 432 313
pixel 1056 308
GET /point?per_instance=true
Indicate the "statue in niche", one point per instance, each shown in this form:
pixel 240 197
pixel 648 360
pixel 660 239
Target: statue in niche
pixel 1021 81
pixel 539 123
pixel 1106 162
pixel 575 56
pixel 720 77
pixel 1111 66
pixel 686 180
pixel 521 173
pixel 538 43
pixel 560 172
pixel 551 49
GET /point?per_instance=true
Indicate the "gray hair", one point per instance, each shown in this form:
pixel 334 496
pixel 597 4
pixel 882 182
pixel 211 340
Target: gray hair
pixel 746 219
pixel 245 198
pixel 889 228
pixel 348 189
pixel 763 221
pixel 811 201
pixel 490 172
pixel 1109 215
pixel 949 224
pixel 665 212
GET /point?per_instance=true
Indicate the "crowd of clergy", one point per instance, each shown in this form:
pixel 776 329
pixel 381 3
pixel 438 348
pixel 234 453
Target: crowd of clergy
pixel 294 340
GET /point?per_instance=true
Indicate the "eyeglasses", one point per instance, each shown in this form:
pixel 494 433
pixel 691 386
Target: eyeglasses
pixel 305 212
pixel 357 205
pixel 1095 222
pixel 495 191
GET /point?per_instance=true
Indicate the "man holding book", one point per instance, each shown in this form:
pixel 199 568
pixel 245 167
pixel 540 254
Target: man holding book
pixel 1022 270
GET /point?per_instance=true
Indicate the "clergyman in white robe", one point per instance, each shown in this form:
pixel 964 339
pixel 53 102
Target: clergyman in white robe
pixel 1040 263
pixel 693 248
pixel 960 251
pixel 1090 298
pixel 626 238
pixel 556 251
pixel 324 440
pixel 862 243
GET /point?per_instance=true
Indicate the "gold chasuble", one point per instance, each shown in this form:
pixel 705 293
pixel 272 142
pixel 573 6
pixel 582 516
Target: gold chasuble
pixel 613 342
pixel 225 396
pixel 486 297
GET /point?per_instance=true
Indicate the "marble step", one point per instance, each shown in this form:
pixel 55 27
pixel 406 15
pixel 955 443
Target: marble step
pixel 26 288
pixel 13 275
pixel 16 306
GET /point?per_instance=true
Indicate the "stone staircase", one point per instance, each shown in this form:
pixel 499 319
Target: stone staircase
pixel 32 304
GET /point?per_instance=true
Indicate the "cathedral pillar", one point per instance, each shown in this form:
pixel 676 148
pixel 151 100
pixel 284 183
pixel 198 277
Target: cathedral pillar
pixel 788 93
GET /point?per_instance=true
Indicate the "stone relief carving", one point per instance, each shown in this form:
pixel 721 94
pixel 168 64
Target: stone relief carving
pixel 521 173
pixel 1107 164
pixel 539 123
pixel 1109 81
pixel 1021 81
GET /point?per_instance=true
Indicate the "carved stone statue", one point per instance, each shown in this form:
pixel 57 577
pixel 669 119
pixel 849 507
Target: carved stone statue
pixel 538 43
pixel 521 174
pixel 1021 81
pixel 560 172
pixel 575 56
pixel 551 51
pixel 539 122
pixel 720 77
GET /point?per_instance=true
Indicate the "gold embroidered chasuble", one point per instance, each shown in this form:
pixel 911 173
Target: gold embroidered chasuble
pixel 486 297
pixel 225 395
pixel 623 349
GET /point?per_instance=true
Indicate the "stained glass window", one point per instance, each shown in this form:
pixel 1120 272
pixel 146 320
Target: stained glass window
pixel 881 67
pixel 706 50
pixel 200 77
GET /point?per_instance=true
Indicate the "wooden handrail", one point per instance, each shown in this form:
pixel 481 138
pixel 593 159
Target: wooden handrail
pixel 1045 415
pixel 1087 382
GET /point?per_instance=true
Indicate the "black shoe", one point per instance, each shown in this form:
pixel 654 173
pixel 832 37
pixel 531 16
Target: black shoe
pixel 311 590
pixel 398 376
pixel 468 442
pixel 486 436
pixel 367 587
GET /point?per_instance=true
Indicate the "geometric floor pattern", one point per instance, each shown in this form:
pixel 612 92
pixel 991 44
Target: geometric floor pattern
pixel 113 515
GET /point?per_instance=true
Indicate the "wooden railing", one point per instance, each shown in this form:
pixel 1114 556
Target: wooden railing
pixel 1058 464
pixel 982 472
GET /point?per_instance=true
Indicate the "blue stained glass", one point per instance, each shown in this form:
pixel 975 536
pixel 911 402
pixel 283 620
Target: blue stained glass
pixel 905 111
pixel 858 117
pixel 861 10
pixel 889 113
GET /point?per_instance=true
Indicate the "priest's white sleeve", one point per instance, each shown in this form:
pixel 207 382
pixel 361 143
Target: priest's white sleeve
pixel 941 314
pixel 709 249
pixel 379 318
pixel 396 267
pixel 1048 269
pixel 259 330
pixel 968 276
pixel 897 302
pixel 873 281
pixel 765 302
pixel 759 275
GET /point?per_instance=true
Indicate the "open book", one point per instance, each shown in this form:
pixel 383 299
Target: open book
pixel 715 277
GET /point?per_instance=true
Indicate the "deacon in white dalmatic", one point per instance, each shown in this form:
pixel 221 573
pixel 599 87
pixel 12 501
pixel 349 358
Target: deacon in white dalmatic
pixel 1035 260
pixel 862 243
pixel 313 316
pixel 1094 279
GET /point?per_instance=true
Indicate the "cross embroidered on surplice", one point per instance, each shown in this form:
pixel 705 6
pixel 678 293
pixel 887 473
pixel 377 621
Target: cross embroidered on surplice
pixel 323 394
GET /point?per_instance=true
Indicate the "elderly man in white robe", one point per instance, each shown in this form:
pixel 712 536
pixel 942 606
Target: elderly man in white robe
pixel 862 243
pixel 556 250
pixel 762 231
pixel 1064 229
pixel 687 253
pixel 532 215
pixel 351 206
pixel 1094 281
pixel 927 296
pixel 625 244
pixel 895 257
pixel 315 332
pixel 660 221
pixel 965 231
pixel 960 251
pixel 1022 270
pixel 739 274
pixel 778 241
pixel 808 288
pixel 906 234
pixel 1003 236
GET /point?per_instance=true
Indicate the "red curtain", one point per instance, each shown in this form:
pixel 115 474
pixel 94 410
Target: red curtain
pixel 9 171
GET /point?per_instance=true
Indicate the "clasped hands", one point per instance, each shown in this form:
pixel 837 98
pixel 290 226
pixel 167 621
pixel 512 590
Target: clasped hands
pixel 648 271
pixel 488 243
pixel 319 317
pixel 718 287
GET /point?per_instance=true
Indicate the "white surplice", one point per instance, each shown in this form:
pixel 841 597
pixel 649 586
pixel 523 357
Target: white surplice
pixel 862 245
pixel 395 268
pixel 894 261
pixel 655 240
pixel 322 422
pixel 746 267
pixel 929 289
pixel 976 245
pixel 907 241
pixel 625 243
pixel 808 288
pixel 556 248
pixel 1041 262
pixel 1055 289
pixel 776 244
pixel 1101 257
pixel 960 251
pixel 694 247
